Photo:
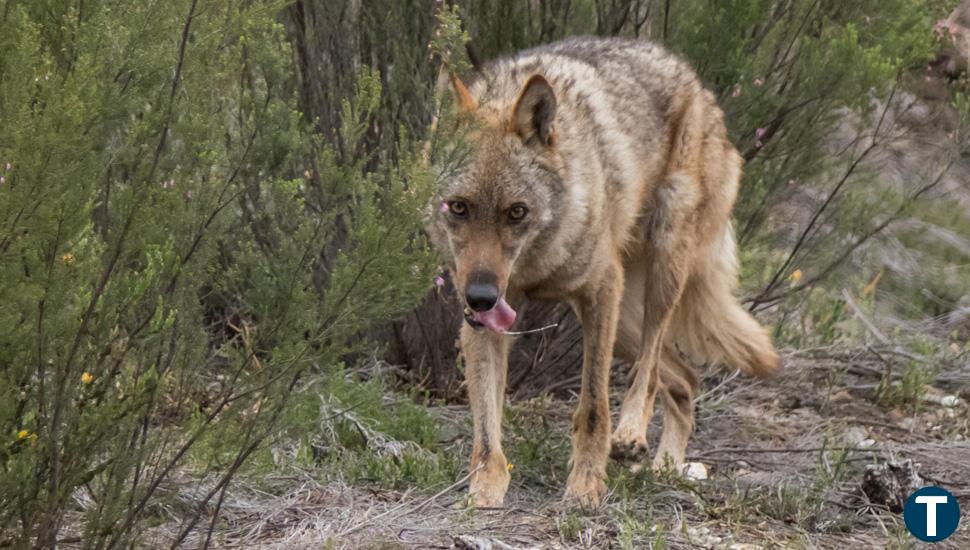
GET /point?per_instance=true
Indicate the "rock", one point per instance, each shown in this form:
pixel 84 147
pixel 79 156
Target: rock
pixel 695 471
pixel 948 401
pixel 841 396
pixel 854 436
pixel 702 536
pixel 468 542
pixel 890 484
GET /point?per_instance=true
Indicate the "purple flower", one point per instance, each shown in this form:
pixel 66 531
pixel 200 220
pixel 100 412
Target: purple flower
pixel 759 133
pixel 439 281
pixel 443 208
pixel 8 167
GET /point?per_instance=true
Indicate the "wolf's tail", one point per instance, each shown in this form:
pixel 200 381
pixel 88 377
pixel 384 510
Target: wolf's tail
pixel 711 326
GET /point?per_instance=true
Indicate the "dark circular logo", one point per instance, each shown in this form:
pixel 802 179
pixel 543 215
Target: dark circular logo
pixel 932 514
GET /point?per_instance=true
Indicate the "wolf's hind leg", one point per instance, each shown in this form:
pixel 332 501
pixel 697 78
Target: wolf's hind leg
pixel 678 385
pixel 486 362
pixel 667 252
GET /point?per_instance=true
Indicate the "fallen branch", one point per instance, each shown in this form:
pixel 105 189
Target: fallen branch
pixel 786 450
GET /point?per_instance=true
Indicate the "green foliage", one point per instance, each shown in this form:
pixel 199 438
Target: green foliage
pixel 178 251
pixel 354 431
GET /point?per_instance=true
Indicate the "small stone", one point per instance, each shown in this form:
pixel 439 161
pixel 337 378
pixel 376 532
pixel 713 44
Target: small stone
pixel 854 435
pixel 695 471
pixel 841 396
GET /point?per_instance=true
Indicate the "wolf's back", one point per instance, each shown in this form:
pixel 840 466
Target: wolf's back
pixel 634 81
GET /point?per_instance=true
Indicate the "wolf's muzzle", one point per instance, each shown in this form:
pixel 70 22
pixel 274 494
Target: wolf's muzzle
pixel 481 293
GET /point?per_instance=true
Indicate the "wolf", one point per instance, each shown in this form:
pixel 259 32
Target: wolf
pixel 599 173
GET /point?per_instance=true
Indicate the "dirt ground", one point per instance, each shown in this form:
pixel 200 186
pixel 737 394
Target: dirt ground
pixel 787 460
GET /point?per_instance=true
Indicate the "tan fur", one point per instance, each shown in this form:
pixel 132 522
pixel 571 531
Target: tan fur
pixel 623 161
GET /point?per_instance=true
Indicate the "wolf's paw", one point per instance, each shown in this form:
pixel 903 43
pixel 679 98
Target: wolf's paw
pixel 585 488
pixel 488 487
pixel 628 446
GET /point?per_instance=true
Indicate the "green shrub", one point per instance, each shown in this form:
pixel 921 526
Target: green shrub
pixel 179 251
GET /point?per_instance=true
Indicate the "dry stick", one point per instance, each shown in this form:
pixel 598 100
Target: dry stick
pixel 666 19
pixel 802 450
pixel 530 331
pixel 424 503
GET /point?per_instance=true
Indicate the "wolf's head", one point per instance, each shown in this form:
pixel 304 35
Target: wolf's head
pixel 496 204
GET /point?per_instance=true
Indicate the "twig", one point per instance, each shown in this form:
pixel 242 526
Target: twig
pixel 802 450
pixel 530 331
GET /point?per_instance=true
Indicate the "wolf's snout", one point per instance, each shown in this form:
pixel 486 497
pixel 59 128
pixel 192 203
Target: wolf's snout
pixel 481 291
pixel 481 296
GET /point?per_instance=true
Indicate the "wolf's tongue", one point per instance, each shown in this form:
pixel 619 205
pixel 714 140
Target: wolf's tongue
pixel 499 318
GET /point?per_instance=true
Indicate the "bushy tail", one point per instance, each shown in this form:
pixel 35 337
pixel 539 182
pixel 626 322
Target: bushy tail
pixel 712 326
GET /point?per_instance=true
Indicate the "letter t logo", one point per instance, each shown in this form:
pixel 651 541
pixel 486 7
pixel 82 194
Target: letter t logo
pixel 931 502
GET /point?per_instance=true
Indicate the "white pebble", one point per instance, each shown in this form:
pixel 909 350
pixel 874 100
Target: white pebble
pixel 695 471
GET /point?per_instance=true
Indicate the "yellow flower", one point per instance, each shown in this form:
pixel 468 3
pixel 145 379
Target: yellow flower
pixel 68 258
pixel 795 276
pixel 23 434
pixel 509 466
pixel 87 378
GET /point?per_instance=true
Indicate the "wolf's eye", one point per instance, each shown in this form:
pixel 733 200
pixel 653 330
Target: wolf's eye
pixel 459 209
pixel 517 213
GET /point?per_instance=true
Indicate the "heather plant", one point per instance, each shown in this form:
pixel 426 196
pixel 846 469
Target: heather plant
pixel 180 252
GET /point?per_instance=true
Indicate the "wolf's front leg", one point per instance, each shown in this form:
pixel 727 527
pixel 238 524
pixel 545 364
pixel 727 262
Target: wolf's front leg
pixel 598 309
pixel 486 362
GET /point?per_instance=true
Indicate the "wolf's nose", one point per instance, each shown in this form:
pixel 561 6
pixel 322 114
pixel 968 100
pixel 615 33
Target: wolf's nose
pixel 481 296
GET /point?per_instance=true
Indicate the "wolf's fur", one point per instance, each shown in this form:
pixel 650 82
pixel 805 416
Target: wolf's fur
pixel 623 162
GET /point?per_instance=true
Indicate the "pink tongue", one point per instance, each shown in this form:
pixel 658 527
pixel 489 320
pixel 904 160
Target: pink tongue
pixel 499 319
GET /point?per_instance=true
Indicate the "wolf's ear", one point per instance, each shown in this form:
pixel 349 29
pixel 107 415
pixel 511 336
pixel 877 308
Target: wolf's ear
pixel 535 111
